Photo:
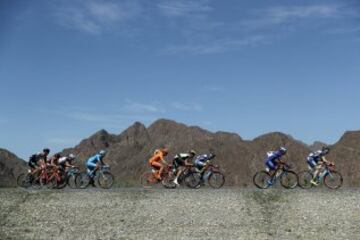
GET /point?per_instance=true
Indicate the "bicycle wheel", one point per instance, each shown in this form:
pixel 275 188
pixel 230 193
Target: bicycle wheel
pixel 147 180
pixel 24 180
pixel 105 180
pixel 71 181
pixel 333 180
pixel 82 180
pixel 168 181
pixel 289 180
pixel 61 183
pixel 216 180
pixel 305 178
pixel 193 180
pixel 261 180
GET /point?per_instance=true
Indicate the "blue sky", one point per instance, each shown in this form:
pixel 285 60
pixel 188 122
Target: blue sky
pixel 70 68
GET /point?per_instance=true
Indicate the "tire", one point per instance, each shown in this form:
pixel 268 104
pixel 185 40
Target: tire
pixel 168 181
pixel 82 180
pixel 147 180
pixel 24 180
pixel 63 182
pixel 216 180
pixel 305 178
pixel 333 180
pixel 261 179
pixel 105 180
pixel 193 180
pixel 71 181
pixel 289 180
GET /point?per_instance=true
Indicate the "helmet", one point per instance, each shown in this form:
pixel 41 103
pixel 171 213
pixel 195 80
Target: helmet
pixel 192 152
pixel 283 150
pixel 46 150
pixel 72 156
pixel 165 151
pixel 102 153
pixel 325 150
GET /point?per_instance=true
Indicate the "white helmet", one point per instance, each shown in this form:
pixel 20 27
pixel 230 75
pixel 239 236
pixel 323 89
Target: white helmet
pixel 72 156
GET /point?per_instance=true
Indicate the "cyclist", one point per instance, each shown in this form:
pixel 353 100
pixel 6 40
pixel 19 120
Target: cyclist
pixel 182 160
pixel 54 160
pixel 94 163
pixel 273 160
pixel 316 160
pixel 67 161
pixel 201 162
pixel 37 159
pixel 158 163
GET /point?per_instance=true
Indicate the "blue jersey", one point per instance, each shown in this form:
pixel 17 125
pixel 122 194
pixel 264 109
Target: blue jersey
pixel 94 160
pixel 272 157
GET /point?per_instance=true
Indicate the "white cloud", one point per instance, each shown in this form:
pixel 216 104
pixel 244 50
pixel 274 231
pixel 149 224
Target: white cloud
pixel 94 16
pixel 186 107
pixel 179 8
pixel 218 46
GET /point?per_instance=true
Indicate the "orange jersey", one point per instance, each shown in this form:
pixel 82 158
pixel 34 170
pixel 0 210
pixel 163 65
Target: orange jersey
pixel 157 157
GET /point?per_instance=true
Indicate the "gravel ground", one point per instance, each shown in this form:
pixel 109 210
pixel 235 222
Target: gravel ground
pixel 180 214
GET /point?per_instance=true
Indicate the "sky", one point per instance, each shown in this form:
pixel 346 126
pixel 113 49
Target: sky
pixel 69 68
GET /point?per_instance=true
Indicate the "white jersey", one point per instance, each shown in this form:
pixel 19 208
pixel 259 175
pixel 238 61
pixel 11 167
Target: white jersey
pixel 62 160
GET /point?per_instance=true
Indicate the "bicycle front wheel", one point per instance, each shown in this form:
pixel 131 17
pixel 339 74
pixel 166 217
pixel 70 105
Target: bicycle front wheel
pixel 289 180
pixel 333 180
pixel 24 180
pixel 105 180
pixel 216 180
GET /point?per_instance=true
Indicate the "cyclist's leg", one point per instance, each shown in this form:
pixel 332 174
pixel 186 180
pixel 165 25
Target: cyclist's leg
pixel 157 167
pixel 91 167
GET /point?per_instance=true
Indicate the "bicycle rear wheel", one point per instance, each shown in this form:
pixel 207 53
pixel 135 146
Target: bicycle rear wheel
pixel 216 180
pixel 261 180
pixel 24 180
pixel 105 180
pixel 71 181
pixel 289 180
pixel 305 178
pixel 193 180
pixel 333 180
pixel 82 180
pixel 148 179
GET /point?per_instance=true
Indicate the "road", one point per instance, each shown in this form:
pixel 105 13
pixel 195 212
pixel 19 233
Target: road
pixel 180 214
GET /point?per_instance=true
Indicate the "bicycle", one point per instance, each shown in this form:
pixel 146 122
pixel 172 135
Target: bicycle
pixel 288 178
pixel 25 180
pixel 328 176
pixel 210 173
pixel 102 176
pixel 149 179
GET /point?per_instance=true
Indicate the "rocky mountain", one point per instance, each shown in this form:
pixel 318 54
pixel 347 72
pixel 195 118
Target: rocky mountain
pixel 317 145
pixel 10 167
pixel 129 152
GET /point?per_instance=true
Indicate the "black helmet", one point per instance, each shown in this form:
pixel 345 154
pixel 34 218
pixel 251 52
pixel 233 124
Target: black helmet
pixel 57 155
pixel 46 150
pixel 192 152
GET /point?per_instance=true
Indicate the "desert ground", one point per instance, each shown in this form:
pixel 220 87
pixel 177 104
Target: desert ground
pixel 134 213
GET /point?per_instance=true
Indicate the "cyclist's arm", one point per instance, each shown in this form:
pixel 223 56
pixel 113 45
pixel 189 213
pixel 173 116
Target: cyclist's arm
pixel 323 159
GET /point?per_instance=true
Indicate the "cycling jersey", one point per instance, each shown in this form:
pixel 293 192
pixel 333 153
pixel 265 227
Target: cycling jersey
pixel 180 159
pixel 91 162
pixel 35 158
pixel 314 158
pixel 272 159
pixel 200 161
pixel 157 157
